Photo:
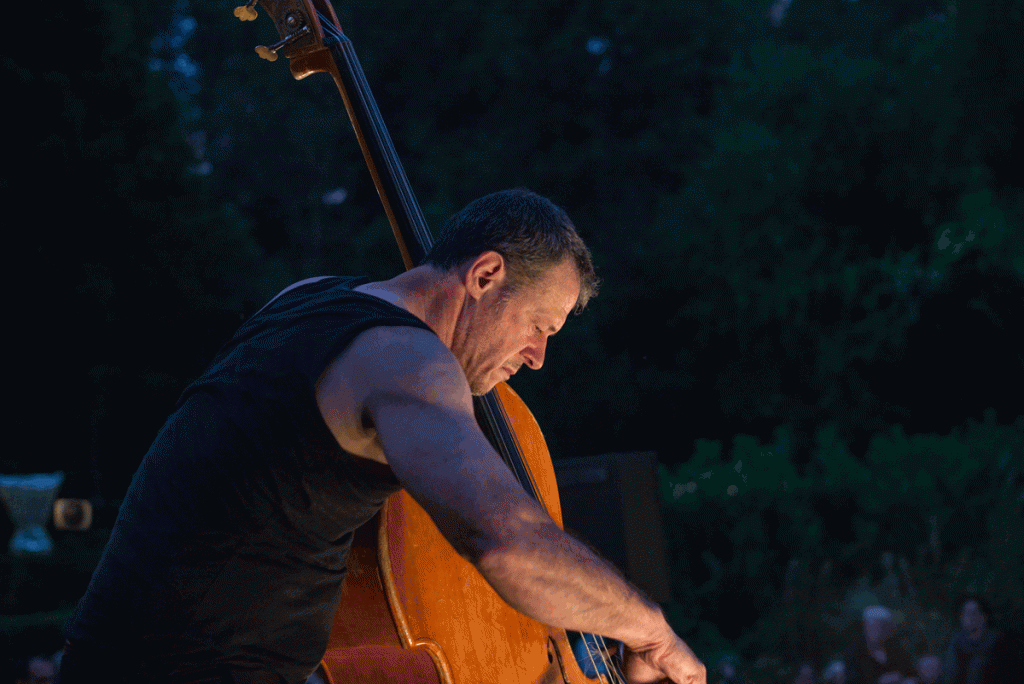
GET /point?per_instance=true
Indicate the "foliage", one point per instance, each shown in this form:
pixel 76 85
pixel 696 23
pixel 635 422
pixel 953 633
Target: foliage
pixel 777 564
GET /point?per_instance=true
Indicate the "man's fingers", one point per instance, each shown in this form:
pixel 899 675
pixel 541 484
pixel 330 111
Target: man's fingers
pixel 676 664
pixel 685 668
pixel 638 671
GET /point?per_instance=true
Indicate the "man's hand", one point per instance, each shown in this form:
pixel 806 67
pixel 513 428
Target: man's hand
pixel 668 661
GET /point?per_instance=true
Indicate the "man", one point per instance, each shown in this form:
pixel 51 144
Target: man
pixel 835 673
pixel 878 660
pixel 227 557
pixel 805 674
pixel 36 670
pixel 929 669
pixel 969 656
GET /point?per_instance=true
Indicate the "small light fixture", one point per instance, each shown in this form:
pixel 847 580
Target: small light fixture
pixel 72 514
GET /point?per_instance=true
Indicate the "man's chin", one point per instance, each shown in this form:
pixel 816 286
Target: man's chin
pixel 479 392
pixel 478 389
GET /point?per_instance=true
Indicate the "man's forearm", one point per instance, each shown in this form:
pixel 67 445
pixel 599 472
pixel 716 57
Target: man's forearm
pixel 550 576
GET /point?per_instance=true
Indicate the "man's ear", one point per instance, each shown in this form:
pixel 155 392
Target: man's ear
pixel 485 273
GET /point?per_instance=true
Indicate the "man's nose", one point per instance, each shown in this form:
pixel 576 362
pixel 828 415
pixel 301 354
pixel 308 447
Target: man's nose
pixel 534 354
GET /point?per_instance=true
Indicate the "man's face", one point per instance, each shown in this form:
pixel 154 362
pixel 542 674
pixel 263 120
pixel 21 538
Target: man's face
pixel 929 668
pixel 502 334
pixel 972 618
pixel 876 631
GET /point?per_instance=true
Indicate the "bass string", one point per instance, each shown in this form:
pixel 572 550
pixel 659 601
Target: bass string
pixel 611 672
pixel 508 443
pixel 510 451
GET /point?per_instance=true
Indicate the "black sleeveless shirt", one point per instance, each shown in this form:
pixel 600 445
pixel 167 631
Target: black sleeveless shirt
pixel 231 545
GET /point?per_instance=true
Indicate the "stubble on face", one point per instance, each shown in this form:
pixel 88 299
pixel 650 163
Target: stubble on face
pixel 482 373
pixel 473 338
pixel 500 336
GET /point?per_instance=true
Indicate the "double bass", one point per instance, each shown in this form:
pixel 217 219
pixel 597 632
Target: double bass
pixel 412 610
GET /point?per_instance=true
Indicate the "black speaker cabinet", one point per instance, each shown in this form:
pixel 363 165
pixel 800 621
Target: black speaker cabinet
pixel 612 503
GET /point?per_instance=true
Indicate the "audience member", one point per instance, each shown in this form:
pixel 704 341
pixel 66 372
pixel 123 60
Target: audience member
pixel 37 670
pixel 969 655
pixel 805 675
pixel 929 669
pixel 835 673
pixel 877 660
pixel 727 669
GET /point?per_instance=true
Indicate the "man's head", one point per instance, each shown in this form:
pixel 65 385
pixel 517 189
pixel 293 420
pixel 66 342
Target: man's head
pixel 727 668
pixel 974 614
pixel 530 232
pixel 835 673
pixel 929 669
pixel 805 675
pixel 497 331
pixel 878 625
pixel 37 670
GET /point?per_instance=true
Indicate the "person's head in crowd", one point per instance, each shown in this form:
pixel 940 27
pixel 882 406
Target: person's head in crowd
pixel 727 668
pixel 37 670
pixel 974 614
pixel 929 669
pixel 805 674
pixel 879 625
pixel 835 673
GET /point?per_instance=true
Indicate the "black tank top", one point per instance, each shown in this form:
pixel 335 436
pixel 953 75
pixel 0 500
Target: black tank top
pixel 231 545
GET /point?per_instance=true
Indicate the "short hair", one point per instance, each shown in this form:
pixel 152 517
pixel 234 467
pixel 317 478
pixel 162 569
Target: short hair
pixel 529 231
pixel 835 670
pixel 929 659
pixel 879 613
pixel 983 605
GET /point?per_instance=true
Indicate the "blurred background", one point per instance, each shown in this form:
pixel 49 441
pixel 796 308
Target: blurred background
pixel 807 216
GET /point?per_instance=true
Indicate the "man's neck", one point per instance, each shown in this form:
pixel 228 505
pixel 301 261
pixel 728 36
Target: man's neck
pixel 432 295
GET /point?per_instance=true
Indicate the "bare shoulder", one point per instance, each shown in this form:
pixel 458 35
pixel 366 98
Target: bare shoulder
pixel 292 287
pixel 384 364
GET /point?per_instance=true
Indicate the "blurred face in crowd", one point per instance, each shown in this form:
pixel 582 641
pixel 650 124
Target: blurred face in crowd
pixel 40 671
pixel 876 631
pixel 973 618
pixel 929 669
pixel 835 673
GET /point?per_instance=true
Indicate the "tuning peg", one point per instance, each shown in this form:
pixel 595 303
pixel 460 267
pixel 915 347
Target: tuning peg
pixel 270 53
pixel 246 12
pixel 266 53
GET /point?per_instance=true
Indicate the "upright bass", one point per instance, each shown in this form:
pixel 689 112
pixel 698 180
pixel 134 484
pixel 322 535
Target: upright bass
pixel 412 610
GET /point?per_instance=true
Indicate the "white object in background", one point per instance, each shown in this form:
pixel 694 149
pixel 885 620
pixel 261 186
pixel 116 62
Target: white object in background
pixel 29 500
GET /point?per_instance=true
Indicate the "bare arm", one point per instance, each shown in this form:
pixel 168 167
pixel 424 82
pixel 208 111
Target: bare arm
pixel 403 385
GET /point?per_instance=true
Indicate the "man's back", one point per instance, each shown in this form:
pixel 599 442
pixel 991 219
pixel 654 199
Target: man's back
pixel 231 545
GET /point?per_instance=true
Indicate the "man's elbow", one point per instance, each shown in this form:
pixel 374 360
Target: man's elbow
pixel 516 570
pixel 495 561
pixel 502 542
pixel 474 540
pixel 509 553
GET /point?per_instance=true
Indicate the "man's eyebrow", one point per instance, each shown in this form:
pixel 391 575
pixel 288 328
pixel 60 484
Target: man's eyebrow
pixel 553 328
